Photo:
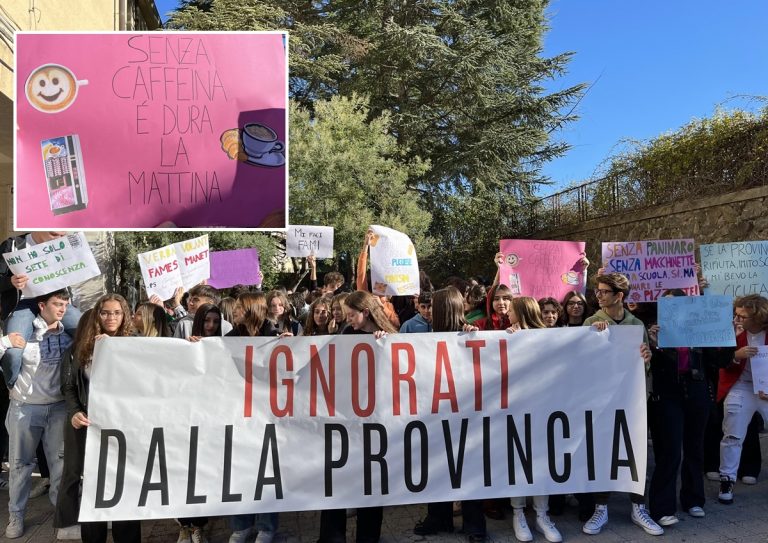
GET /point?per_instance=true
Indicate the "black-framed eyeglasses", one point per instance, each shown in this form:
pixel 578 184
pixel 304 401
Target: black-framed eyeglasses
pixel 604 291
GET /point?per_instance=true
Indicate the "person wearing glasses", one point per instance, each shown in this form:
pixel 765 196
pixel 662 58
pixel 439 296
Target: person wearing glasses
pixel 612 289
pixel 575 309
pixel 110 317
pixel 736 390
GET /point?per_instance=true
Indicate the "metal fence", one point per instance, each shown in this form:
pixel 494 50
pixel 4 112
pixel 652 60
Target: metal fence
pixel 632 190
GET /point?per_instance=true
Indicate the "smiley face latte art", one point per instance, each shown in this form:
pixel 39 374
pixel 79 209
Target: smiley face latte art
pixel 51 88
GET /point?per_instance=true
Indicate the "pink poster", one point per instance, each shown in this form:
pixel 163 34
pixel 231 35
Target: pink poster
pixel 132 130
pixel 542 268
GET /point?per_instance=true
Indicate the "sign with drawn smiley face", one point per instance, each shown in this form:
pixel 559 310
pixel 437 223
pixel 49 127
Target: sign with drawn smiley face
pixel 52 88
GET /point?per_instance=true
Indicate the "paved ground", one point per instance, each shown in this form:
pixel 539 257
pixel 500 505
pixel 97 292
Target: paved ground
pixel 745 521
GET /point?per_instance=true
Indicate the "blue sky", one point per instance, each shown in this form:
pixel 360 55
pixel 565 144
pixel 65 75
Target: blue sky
pixel 653 64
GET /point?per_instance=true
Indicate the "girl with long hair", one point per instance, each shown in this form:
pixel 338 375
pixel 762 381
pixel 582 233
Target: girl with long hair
pixel 207 322
pixel 250 314
pixel 279 313
pixel 365 315
pixel 149 320
pixel 576 309
pixel 319 318
pixel 339 321
pixel 448 316
pixel 110 317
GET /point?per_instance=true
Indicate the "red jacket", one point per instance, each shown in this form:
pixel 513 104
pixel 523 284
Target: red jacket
pixel 731 374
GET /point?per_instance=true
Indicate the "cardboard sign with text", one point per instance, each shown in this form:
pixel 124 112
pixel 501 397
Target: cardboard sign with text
pixel 53 265
pixel 133 129
pixel 542 268
pixel 183 264
pixel 653 266
pixel 303 241
pixel 394 267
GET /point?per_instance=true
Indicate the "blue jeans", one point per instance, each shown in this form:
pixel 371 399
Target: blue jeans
pixel 27 424
pixel 20 321
pixel 262 522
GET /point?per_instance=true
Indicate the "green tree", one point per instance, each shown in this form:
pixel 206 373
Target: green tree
pixel 461 83
pixel 349 173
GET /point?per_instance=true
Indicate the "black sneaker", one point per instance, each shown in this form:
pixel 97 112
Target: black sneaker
pixel 726 491
pixel 432 526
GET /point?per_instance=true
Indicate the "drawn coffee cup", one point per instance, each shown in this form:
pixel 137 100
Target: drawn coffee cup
pixel 52 88
pixel 259 139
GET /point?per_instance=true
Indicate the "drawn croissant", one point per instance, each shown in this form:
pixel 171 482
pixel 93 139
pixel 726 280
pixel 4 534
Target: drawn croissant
pixel 233 145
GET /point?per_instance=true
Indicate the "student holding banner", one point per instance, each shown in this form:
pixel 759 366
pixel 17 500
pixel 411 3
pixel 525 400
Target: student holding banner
pixel 448 316
pixel 612 290
pixel 110 317
pixel 319 318
pixel 524 314
pixel 365 316
pixel 251 320
pixel 736 387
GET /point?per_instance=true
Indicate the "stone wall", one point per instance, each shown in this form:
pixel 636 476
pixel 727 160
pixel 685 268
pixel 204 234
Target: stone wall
pixel 737 216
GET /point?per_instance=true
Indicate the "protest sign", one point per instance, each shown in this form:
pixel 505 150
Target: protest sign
pixel 237 267
pixel 183 127
pixel 759 366
pixel 394 267
pixel 696 321
pixel 542 268
pixel 653 266
pixel 321 422
pixel 735 269
pixel 303 241
pixel 183 264
pixel 53 265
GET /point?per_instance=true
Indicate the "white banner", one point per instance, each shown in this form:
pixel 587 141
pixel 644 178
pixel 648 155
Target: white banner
pixel 184 264
pixel 303 241
pixel 394 268
pixel 240 425
pixel 55 264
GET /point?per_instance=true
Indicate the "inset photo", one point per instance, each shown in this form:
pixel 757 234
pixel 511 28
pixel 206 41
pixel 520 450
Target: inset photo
pixel 143 130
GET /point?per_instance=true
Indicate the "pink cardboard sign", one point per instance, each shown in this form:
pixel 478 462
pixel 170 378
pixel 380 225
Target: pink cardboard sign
pixel 127 130
pixel 236 267
pixel 542 268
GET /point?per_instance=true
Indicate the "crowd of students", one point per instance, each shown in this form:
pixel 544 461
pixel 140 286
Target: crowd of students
pixel 692 392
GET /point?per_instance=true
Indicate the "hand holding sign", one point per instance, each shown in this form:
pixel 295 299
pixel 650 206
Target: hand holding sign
pixel 394 267
pixel 51 265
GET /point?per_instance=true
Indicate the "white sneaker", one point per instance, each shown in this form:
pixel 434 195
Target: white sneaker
pixel 197 535
pixel 713 475
pixel 70 532
pixel 668 520
pixel 41 487
pixel 641 517
pixel 599 519
pixel 240 536
pixel 520 526
pixel 545 526
pixel 696 511
pixel 15 526
pixel 265 536
pixel 184 535
pixel 749 480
